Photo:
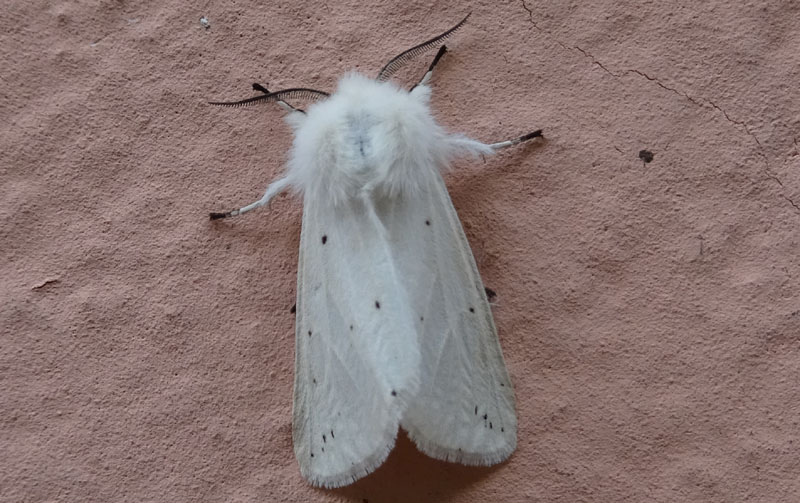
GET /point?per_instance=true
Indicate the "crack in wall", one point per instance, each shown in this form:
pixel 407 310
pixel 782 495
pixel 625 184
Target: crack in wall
pixel 791 202
pixel 702 104
pixel 595 61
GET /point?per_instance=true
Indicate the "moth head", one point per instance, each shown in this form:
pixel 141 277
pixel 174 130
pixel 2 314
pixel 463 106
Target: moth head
pixel 368 136
pixel 373 121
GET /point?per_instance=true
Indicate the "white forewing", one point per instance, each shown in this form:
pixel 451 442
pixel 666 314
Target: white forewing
pixel 464 410
pixel 357 355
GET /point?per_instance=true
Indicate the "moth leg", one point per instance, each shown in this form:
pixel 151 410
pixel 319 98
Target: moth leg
pixel 427 77
pixel 273 190
pixel 283 104
pixel 515 141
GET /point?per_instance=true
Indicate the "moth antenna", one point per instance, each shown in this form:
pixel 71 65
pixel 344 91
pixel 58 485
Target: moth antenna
pixel 300 93
pixel 283 104
pixel 401 59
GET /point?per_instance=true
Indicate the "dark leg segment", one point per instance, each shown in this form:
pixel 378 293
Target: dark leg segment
pixel 283 104
pixel 427 77
pixel 515 141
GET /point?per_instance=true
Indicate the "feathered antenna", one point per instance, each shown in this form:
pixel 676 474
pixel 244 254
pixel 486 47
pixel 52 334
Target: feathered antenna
pixel 401 59
pixel 300 93
pixel 283 104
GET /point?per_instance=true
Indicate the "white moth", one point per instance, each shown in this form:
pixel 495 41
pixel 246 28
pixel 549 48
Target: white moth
pixel 393 326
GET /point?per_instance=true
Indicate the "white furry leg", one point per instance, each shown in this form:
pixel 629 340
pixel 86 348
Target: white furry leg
pixel 273 190
pixel 515 141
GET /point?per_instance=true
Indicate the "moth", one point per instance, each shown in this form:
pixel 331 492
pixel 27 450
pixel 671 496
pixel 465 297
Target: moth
pixel 393 328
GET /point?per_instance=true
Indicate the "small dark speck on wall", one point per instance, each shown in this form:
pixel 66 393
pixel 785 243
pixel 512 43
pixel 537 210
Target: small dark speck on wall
pixel 646 156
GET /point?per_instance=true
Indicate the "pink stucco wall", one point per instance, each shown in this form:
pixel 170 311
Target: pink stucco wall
pixel 649 313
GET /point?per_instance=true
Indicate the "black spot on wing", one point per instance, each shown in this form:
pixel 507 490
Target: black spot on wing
pixel 472 310
pixel 377 305
pixel 324 239
pixel 394 393
pixel 427 222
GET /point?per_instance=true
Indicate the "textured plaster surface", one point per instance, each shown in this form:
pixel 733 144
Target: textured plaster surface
pixel 648 312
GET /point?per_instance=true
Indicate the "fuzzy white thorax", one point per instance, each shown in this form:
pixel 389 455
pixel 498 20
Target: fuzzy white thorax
pixel 370 139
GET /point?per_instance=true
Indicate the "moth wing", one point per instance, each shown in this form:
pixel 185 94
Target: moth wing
pixel 464 410
pixel 357 359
